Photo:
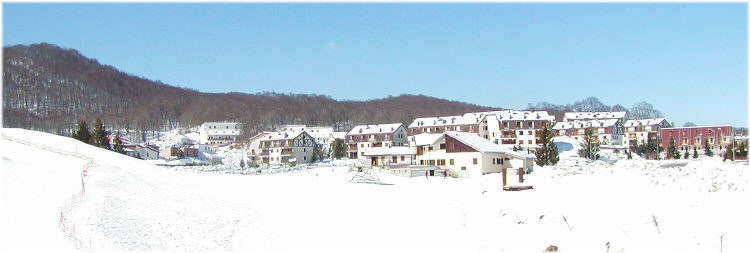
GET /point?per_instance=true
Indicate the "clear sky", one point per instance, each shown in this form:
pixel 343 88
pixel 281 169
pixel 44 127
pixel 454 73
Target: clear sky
pixel 688 60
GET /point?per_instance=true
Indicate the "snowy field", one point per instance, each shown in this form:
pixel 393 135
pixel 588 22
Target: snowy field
pixel 128 204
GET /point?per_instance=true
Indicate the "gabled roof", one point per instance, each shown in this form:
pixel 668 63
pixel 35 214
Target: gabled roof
pixel 283 135
pixel 575 124
pixel 381 151
pixel 569 116
pixel 466 119
pixel 374 129
pixel 523 115
pixel 483 145
pixel 643 122
pixel 425 139
pixel 476 117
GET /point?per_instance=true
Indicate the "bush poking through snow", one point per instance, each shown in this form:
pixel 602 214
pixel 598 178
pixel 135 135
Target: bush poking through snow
pixel 551 248
pixel 656 223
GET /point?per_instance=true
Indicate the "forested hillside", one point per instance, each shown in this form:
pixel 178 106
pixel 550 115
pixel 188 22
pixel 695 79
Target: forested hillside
pixel 49 88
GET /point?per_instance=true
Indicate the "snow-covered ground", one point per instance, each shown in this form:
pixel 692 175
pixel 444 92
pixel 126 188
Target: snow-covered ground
pixel 578 206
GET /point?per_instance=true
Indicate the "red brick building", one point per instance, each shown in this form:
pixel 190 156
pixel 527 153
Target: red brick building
pixel 718 137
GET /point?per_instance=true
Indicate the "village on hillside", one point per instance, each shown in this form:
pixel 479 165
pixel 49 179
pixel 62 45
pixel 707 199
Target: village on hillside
pixel 467 145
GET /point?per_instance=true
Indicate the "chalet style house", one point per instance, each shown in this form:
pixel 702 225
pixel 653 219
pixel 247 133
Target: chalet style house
pixel 606 127
pixel 281 148
pixel 642 131
pixel 362 137
pixel 467 154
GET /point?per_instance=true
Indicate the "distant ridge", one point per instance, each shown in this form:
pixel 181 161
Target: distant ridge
pixel 47 88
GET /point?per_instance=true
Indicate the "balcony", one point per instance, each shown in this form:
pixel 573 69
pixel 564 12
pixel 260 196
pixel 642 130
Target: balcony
pixel 286 151
pixel 508 142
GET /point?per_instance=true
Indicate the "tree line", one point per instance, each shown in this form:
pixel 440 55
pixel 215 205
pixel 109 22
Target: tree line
pixel 50 89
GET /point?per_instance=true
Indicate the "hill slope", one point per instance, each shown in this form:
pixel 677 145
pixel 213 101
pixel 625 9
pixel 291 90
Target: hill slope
pixel 48 88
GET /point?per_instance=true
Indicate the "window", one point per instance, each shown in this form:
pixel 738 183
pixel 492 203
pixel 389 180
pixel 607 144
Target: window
pixel 518 124
pixel 475 161
pixel 520 132
pixel 463 168
pixel 520 142
pixel 493 160
pixel 395 159
pixel 304 158
pixel 442 145
pixel 501 160
pixel 430 148
pixel 402 158
pixel 451 161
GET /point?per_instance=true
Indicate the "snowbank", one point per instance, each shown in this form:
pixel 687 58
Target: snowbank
pixel 579 206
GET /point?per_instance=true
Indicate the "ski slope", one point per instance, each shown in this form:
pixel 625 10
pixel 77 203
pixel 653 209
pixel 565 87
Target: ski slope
pixel 128 204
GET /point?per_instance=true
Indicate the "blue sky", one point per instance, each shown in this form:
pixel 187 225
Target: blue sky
pixel 688 60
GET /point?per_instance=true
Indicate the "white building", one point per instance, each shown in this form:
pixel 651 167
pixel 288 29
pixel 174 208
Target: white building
pixel 281 148
pixel 508 127
pixel 468 154
pixel 362 137
pixel 147 152
pixel 389 156
pixel 640 131
pixel 572 116
pixel 324 136
pixel 219 133
pixel 606 131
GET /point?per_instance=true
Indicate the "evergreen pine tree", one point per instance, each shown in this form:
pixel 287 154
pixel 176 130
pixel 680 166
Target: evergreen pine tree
pixel 242 163
pixel 590 147
pixel 339 150
pixel 82 133
pixel 672 150
pixel 547 153
pixel 707 149
pixel 315 154
pixel 118 145
pixel 686 155
pixel 100 134
pixel 695 152
pixel 630 154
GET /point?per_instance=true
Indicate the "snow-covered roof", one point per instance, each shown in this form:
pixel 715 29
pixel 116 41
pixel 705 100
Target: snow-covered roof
pixel 523 115
pixel 698 126
pixel 469 118
pixel 338 135
pixel 281 135
pixel 475 117
pixel 483 145
pixel 425 139
pixel 374 129
pixel 381 151
pixel 593 115
pixel 584 124
pixel 643 122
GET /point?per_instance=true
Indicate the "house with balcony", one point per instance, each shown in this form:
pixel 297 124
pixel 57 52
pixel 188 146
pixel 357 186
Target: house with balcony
pixel 507 127
pixel 687 138
pixel 605 132
pixel 219 133
pixel 467 154
pixel 362 137
pixel 640 131
pixel 281 148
